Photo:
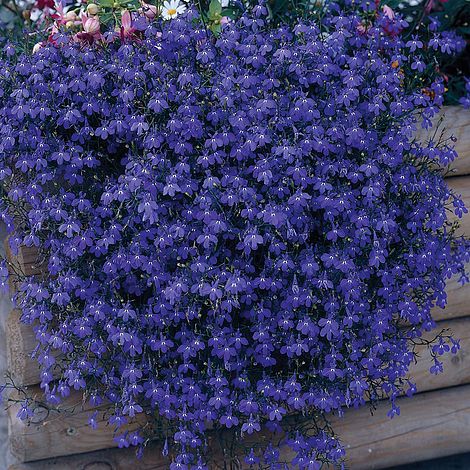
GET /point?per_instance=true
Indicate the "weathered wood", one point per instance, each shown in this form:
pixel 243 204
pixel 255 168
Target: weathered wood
pixel 456 122
pixel 58 431
pixel 21 341
pixel 461 185
pixel 456 367
pixel 431 425
pixel 434 424
pixel 67 432
pixel 25 263
pixel 112 459
pixel 458 304
pixel 458 301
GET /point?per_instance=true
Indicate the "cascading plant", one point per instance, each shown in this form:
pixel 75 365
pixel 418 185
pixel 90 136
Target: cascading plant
pixel 241 234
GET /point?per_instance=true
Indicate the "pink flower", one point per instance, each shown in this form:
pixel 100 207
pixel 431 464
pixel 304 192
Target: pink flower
pixel 432 4
pixel 91 26
pixel 361 28
pixel 224 20
pixel 150 11
pixel 59 16
pixel 127 30
pixel 91 29
pixel 388 12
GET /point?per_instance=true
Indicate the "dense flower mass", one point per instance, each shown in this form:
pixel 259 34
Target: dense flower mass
pixel 238 229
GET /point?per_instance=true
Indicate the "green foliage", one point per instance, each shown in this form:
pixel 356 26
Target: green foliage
pixel 452 15
pixel 11 21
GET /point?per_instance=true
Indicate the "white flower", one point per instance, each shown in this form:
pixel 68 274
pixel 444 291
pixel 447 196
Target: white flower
pixel 36 13
pixel 37 46
pixel 172 8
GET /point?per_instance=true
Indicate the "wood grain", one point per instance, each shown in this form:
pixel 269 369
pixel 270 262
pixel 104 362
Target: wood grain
pixel 456 122
pixel 461 186
pixel 456 367
pixel 58 431
pixel 112 459
pixel 21 341
pixel 433 424
pixel 458 301
pixel 25 263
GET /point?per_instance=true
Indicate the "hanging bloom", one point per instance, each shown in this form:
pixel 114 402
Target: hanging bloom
pixel 91 29
pixel 127 30
pixel 295 203
pixel 44 4
pixel 150 11
pixel 91 25
pixel 388 12
pixel 172 8
pixel 62 16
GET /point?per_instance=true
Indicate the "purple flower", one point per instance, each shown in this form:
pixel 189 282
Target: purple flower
pixel 234 226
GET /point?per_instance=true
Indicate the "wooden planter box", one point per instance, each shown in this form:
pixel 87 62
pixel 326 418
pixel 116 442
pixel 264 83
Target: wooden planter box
pixel 434 423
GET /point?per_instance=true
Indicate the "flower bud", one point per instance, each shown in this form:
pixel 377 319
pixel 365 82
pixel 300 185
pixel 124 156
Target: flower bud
pixel 92 26
pixel 150 11
pixel 69 24
pixel 93 9
pixel 70 16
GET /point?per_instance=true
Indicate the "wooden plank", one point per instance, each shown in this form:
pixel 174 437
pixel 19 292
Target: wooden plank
pixel 112 459
pixel 58 431
pixel 456 367
pixel 26 263
pixel 21 341
pixel 461 185
pixel 458 301
pixel 458 296
pixel 455 121
pixel 64 433
pixel 431 425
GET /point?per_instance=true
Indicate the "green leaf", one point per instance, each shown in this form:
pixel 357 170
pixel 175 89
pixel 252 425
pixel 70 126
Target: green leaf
pixel 215 8
pixel 105 3
pixel 216 28
pixel 231 13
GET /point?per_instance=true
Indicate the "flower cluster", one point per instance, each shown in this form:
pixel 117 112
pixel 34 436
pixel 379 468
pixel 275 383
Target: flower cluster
pixel 105 21
pixel 424 17
pixel 240 231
